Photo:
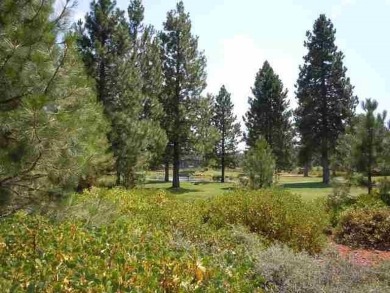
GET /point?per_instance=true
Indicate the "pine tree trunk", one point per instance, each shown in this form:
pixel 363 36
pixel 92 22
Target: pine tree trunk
pixel 325 167
pixel 369 175
pixel 166 175
pixel 176 165
pixel 306 170
pixel 223 161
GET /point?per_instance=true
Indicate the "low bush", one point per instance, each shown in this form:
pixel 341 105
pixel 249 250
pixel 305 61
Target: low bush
pixel 384 191
pixel 338 201
pixel 122 241
pixel 287 271
pixel 275 214
pixel 365 227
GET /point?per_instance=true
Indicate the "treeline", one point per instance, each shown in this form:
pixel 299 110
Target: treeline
pixel 112 94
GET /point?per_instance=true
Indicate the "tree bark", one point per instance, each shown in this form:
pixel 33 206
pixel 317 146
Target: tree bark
pixel 176 165
pixel 306 170
pixel 223 161
pixel 166 171
pixel 325 167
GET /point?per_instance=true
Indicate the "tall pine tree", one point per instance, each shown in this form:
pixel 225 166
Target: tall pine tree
pixel 44 99
pixel 371 133
pixel 184 81
pixel 325 95
pixel 114 56
pixel 205 134
pixel 228 128
pixel 269 117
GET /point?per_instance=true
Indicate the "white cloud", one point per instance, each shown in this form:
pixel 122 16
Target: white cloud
pixel 339 8
pixel 236 67
pixel 239 61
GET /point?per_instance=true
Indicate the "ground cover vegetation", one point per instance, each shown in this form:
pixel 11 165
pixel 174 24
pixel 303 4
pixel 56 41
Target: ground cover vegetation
pixel 118 173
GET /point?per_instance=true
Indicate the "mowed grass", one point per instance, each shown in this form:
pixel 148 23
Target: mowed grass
pixel 193 191
pixel 311 187
pixel 308 187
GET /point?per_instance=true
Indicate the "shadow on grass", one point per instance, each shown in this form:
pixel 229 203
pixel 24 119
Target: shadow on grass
pixel 299 185
pixel 181 190
pixel 155 182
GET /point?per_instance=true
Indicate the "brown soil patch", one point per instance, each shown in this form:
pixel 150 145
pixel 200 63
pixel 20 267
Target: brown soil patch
pixel 363 257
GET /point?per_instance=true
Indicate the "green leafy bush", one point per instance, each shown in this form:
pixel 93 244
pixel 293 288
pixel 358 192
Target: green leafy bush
pixel 384 191
pixel 147 241
pixel 121 241
pixel 277 215
pixel 338 201
pixel 365 227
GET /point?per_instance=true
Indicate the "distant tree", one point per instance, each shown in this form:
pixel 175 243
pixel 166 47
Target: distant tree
pixel 269 117
pixel 123 67
pixel 205 133
pixel 304 158
pixel 259 164
pixel 325 96
pixel 228 128
pixel 50 123
pixel 184 81
pixel 370 140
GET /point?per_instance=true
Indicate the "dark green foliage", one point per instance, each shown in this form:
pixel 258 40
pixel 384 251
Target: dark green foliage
pixel 123 59
pixel 44 99
pixel 365 228
pixel 384 190
pixel 259 165
pixel 205 133
pixel 269 117
pixel 325 96
pixel 184 81
pixel 228 128
pixel 369 143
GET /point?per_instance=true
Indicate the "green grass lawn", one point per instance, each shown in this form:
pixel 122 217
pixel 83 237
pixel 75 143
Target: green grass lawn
pixel 192 191
pixel 309 188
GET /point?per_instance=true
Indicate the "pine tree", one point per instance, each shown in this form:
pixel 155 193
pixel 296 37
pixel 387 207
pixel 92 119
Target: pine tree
pixel 370 140
pixel 184 81
pixel 44 98
pixel 269 117
pixel 115 58
pixel 325 96
pixel 259 164
pixel 205 134
pixel 228 128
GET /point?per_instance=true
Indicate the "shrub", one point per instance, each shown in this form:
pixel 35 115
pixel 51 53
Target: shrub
pixel 274 214
pixel 384 191
pixel 259 164
pixel 366 228
pixel 122 241
pixel 286 271
pixel 338 201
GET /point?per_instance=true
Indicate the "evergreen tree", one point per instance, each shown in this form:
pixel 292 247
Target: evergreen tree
pixel 44 98
pixel 325 96
pixel 259 164
pixel 228 128
pixel 116 60
pixel 184 80
pixel 205 134
pixel 370 140
pixel 269 117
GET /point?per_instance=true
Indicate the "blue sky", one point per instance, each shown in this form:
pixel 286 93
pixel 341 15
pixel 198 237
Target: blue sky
pixel 238 36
